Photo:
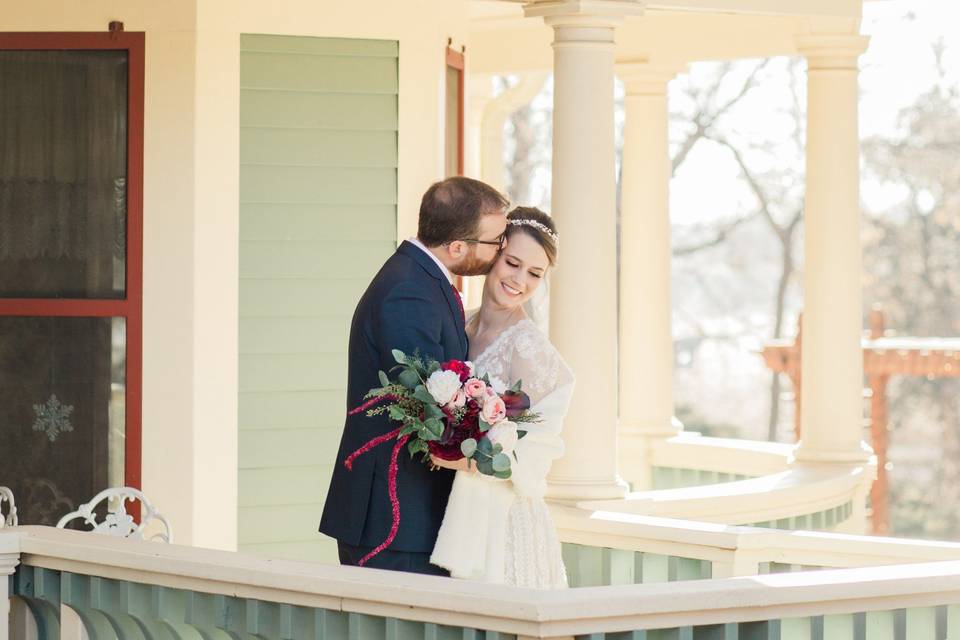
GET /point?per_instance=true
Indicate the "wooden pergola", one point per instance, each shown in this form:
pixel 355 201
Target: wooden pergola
pixel 883 356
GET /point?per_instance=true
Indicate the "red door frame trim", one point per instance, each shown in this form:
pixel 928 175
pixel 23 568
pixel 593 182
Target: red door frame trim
pixel 455 60
pixel 131 307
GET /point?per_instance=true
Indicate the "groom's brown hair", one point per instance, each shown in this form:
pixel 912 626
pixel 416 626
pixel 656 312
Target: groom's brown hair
pixel 451 210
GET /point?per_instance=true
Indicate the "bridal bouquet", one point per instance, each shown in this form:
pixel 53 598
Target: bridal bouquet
pixel 448 411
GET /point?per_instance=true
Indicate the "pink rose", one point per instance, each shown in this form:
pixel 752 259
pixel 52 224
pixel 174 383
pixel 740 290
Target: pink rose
pixel 494 410
pixel 458 401
pixel 474 388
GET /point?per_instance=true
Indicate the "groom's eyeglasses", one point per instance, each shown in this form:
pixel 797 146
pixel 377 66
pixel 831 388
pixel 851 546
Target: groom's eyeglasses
pixel 497 242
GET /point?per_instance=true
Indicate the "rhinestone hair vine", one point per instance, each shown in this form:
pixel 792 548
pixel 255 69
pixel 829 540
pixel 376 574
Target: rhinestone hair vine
pixel 536 225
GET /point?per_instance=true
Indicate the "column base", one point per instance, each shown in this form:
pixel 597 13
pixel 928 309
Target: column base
pixel 856 456
pixel 635 443
pixel 574 490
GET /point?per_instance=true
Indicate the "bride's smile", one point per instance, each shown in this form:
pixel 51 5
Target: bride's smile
pixel 518 271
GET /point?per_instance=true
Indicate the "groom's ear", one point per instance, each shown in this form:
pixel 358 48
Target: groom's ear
pixel 457 249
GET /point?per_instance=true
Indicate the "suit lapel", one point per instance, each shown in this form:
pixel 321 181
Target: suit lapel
pixel 428 265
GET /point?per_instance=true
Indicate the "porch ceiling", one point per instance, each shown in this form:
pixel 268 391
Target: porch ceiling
pixel 670 31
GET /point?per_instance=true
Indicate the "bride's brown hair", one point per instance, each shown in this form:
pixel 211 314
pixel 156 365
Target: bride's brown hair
pixel 544 239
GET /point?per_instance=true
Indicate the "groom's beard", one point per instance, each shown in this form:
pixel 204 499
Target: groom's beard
pixel 474 266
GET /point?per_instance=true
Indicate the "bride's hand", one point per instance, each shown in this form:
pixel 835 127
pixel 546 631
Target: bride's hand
pixel 463 464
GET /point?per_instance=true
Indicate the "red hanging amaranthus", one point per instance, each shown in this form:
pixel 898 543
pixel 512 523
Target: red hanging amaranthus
pixel 447 413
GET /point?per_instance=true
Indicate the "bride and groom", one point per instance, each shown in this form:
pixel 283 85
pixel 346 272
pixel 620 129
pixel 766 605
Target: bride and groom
pixel 456 521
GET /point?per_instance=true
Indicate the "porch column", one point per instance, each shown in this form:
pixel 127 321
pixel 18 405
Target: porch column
pixel 646 339
pixel 9 559
pixel 583 315
pixel 832 370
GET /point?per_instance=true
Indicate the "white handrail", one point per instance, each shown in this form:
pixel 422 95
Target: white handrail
pixel 495 607
pixel 745 546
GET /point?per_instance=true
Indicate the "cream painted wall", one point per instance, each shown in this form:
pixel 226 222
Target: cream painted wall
pixel 191 201
pixel 421 27
pixel 169 461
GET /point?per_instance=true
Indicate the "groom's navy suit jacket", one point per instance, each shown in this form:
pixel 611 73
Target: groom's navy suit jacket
pixel 410 306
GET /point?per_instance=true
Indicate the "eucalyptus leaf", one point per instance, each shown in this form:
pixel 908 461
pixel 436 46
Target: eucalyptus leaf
pixel 434 367
pixel 484 467
pixel 485 447
pixel 520 434
pixel 399 356
pixel 497 448
pixel 433 411
pixel 421 394
pixel 517 387
pixel 426 434
pixel 409 379
pixel 384 380
pixel 434 426
pixel 468 447
pixel 501 462
pixel 503 475
pixel 484 427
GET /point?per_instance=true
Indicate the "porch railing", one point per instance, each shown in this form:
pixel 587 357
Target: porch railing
pixel 114 588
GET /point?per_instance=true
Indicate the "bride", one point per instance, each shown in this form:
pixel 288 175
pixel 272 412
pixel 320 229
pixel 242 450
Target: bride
pixel 494 530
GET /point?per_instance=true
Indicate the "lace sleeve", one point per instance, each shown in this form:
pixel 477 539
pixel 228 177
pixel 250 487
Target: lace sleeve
pixel 537 363
pixel 549 382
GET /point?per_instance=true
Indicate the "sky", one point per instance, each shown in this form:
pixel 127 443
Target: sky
pixel 897 66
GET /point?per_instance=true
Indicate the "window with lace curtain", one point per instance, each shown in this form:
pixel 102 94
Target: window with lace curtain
pixel 71 136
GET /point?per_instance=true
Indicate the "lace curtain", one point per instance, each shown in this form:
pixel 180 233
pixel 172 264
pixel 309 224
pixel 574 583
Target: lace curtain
pixel 62 172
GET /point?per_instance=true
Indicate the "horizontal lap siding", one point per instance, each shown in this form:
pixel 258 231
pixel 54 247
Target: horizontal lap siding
pixel 318 202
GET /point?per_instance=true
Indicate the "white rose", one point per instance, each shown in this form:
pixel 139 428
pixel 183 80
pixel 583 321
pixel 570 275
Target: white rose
pixel 505 434
pixel 498 385
pixel 443 386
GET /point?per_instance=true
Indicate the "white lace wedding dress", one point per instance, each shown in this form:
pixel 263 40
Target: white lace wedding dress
pixel 500 531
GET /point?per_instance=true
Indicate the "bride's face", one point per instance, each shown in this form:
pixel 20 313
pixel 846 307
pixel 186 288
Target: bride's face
pixel 518 271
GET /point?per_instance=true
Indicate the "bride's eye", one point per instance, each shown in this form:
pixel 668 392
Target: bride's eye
pixel 511 263
pixel 536 275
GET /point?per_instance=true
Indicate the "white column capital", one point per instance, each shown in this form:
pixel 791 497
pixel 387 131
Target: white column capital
pixel 640 77
pixel 832 51
pixel 583 13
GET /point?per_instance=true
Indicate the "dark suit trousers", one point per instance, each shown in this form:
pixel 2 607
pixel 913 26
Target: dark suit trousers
pixel 390 560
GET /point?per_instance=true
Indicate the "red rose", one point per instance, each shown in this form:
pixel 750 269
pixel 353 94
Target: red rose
pixel 448 446
pixel 459 367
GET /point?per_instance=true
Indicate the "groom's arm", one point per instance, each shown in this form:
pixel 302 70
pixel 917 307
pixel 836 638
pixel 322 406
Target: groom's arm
pixel 410 320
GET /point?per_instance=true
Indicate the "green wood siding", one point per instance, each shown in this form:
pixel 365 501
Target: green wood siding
pixel 318 208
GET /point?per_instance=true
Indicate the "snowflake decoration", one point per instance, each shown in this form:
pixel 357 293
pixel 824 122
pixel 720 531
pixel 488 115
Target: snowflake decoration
pixel 53 417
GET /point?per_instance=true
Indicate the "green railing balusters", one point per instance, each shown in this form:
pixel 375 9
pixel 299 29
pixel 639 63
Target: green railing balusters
pixel 763 630
pixel 40 590
pixel 331 624
pixel 838 627
pixel 879 625
pixel 727 631
pixel 656 568
pixel 619 567
pixel 922 624
pixel 795 629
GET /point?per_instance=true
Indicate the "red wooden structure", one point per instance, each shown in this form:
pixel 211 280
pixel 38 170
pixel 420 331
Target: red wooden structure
pixel 883 356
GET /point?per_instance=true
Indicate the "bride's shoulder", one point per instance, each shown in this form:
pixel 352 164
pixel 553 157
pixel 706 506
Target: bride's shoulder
pixel 532 342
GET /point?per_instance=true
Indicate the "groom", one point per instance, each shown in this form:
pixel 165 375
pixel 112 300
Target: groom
pixel 410 305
